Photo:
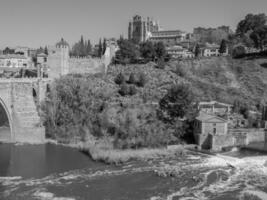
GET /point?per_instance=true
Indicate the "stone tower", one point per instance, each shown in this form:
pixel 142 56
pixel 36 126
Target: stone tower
pixel 139 28
pixel 58 59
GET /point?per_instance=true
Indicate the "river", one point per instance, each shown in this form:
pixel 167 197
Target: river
pixel 62 173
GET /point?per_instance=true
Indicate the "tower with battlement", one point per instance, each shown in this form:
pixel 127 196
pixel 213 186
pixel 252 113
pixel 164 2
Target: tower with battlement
pixel 58 59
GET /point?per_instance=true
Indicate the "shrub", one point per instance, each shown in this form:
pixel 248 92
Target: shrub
pixel 132 90
pixel 180 71
pixel 131 78
pixel 124 90
pixel 160 64
pixel 239 51
pixel 142 80
pixel 70 110
pixel 120 79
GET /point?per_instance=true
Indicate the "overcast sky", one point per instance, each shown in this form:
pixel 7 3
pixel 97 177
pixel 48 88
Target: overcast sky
pixel 35 23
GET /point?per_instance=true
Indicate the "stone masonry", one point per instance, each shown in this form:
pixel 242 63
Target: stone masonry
pixel 16 96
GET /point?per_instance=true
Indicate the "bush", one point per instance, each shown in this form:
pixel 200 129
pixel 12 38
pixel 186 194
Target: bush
pixel 124 90
pixel 180 71
pixel 160 64
pixel 132 90
pixel 120 79
pixel 239 51
pixel 70 110
pixel 132 79
pixel 141 80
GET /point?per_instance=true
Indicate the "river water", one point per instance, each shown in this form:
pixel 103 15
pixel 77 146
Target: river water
pixel 61 173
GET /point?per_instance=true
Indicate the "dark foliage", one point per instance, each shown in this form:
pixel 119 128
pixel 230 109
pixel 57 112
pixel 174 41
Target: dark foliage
pixel 120 79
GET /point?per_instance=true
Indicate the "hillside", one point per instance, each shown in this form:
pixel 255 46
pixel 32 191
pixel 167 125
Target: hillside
pixel 218 78
pixel 84 105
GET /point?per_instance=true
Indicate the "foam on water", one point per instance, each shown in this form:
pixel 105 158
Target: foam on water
pixel 241 176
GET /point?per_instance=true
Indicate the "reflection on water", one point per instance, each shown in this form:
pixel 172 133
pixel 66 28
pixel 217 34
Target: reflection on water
pixel 39 160
pixel 52 172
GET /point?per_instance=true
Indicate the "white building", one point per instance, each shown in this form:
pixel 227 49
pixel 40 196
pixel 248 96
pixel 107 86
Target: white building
pixel 14 61
pixel 179 52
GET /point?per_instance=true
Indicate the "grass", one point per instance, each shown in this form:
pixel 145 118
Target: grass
pixel 105 153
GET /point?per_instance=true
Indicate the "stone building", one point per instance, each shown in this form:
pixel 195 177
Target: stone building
pixel 58 59
pixel 206 126
pixel 214 107
pixel 169 37
pixel 140 28
pixel 14 61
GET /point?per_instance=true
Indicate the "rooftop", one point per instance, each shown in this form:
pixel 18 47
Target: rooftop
pixel 10 56
pixel 62 42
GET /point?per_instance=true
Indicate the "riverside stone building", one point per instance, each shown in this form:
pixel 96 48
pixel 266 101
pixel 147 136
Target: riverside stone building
pixel 215 133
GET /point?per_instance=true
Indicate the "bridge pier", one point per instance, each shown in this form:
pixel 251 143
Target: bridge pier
pixel 16 96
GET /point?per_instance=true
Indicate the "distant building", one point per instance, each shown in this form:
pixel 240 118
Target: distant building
pixel 211 50
pixel 14 61
pixel 140 29
pixel 58 59
pixel 41 58
pixel 170 37
pixel 7 51
pixel 201 34
pixel 214 107
pixel 179 52
pixel 22 51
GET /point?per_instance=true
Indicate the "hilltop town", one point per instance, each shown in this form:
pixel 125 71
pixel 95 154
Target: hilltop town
pixel 133 100
pixel 205 87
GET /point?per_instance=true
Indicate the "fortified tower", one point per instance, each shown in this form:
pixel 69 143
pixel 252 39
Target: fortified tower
pixel 58 59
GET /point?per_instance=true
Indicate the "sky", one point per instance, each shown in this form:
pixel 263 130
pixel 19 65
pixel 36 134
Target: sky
pixel 35 23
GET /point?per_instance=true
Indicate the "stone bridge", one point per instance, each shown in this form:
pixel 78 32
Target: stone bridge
pixel 20 99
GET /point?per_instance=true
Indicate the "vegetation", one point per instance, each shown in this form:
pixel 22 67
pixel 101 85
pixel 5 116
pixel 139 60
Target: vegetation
pixel 131 52
pixel 120 79
pixel 223 47
pixel 197 51
pixel 82 48
pixel 254 27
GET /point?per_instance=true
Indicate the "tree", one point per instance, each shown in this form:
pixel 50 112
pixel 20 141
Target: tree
pixel 254 26
pixel 128 52
pixel 238 51
pixel 104 46
pixel 100 49
pixel 89 48
pixel 160 50
pixel 259 37
pixel 147 51
pixel 223 47
pixel 178 103
pixel 46 50
pixel 120 79
pixel 141 80
pixel 197 50
pixel 132 78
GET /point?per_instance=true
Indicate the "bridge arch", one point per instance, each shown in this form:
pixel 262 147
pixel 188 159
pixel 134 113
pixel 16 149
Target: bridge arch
pixel 10 121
